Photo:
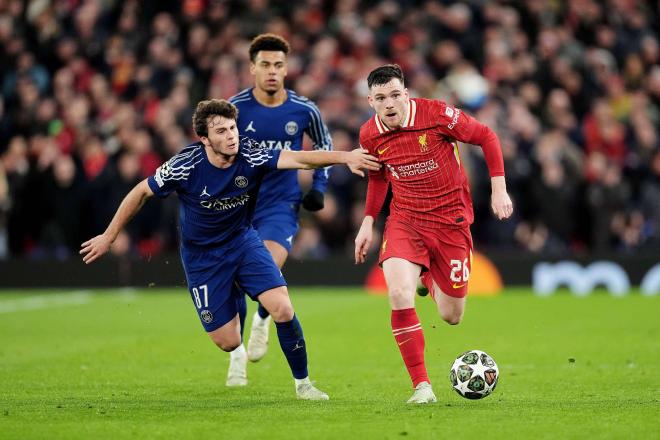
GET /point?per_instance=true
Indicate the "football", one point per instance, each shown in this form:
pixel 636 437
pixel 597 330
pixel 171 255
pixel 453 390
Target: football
pixel 474 374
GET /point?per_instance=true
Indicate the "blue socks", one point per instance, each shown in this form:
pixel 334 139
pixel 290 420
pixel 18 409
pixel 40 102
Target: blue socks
pixel 263 313
pixel 242 313
pixel 292 342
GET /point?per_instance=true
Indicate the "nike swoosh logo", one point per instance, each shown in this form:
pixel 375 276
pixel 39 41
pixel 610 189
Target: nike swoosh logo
pixel 383 150
pixel 403 342
pixel 457 286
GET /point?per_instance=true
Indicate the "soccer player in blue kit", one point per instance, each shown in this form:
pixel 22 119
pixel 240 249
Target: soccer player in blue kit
pixel 217 180
pixel 277 118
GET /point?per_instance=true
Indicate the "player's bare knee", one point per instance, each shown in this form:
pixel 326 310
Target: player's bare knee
pixel 452 317
pixel 278 304
pixel 454 320
pixel 228 347
pixel 282 312
pixel 225 343
pixel 401 296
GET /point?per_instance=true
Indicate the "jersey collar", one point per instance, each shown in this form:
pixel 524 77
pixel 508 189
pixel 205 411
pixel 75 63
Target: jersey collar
pixel 409 122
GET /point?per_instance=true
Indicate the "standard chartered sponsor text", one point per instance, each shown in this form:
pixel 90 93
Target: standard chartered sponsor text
pixel 416 169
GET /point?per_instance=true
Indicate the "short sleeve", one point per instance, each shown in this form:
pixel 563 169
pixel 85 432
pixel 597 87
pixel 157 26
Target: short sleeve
pixel 274 158
pixel 174 173
pixel 258 156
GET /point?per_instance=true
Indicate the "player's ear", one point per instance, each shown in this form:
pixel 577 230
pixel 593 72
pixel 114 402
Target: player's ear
pixel 253 67
pixel 205 141
pixel 370 100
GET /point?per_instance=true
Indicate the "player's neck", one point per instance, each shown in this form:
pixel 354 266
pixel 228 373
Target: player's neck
pixel 270 100
pixel 219 160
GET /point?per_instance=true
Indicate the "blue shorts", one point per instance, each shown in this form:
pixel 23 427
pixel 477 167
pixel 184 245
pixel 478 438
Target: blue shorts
pixel 214 274
pixel 278 223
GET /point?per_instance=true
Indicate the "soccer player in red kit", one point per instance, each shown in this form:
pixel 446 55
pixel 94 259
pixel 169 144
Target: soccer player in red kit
pixel 428 230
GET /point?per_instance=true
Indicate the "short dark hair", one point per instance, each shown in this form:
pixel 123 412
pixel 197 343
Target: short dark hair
pixel 384 74
pixel 269 42
pixel 208 108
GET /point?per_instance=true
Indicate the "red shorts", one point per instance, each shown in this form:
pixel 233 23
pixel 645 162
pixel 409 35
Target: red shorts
pixel 444 253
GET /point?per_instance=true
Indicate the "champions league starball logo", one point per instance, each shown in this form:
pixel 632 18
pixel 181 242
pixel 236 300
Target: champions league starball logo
pixel 165 169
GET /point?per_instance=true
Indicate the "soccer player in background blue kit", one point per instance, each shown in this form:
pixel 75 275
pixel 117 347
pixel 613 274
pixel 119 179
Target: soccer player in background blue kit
pixel 277 118
pixel 217 180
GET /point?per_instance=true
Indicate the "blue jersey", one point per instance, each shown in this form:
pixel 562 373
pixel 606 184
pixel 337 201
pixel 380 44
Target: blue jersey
pixel 282 128
pixel 216 204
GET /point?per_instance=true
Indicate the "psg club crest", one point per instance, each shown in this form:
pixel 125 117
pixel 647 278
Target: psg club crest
pixel 207 316
pixel 241 181
pixel 291 128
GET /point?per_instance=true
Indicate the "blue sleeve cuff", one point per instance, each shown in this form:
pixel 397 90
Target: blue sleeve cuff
pixel 320 180
pixel 272 163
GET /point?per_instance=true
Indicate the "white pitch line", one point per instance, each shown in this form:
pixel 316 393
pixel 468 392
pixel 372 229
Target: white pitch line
pixel 38 302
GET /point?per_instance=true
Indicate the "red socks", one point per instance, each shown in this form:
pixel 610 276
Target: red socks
pixel 410 338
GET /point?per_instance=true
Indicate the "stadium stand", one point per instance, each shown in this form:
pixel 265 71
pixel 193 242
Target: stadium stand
pixel 96 94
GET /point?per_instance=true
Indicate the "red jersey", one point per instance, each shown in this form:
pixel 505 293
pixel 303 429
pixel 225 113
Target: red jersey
pixel 422 163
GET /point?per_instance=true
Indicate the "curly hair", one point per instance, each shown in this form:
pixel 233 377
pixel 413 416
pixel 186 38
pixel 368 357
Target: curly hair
pixel 269 42
pixel 384 74
pixel 208 108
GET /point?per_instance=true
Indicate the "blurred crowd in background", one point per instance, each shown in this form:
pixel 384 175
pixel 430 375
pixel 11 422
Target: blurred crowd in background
pixel 97 93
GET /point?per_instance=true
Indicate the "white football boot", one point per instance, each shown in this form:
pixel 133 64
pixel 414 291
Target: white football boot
pixel 258 342
pixel 237 373
pixel 305 390
pixel 423 394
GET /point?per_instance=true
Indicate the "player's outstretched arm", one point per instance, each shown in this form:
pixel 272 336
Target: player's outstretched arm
pixel 356 160
pixel 363 239
pixel 500 200
pixel 99 245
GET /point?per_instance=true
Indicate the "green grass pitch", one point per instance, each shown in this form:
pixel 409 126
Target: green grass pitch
pixel 137 364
